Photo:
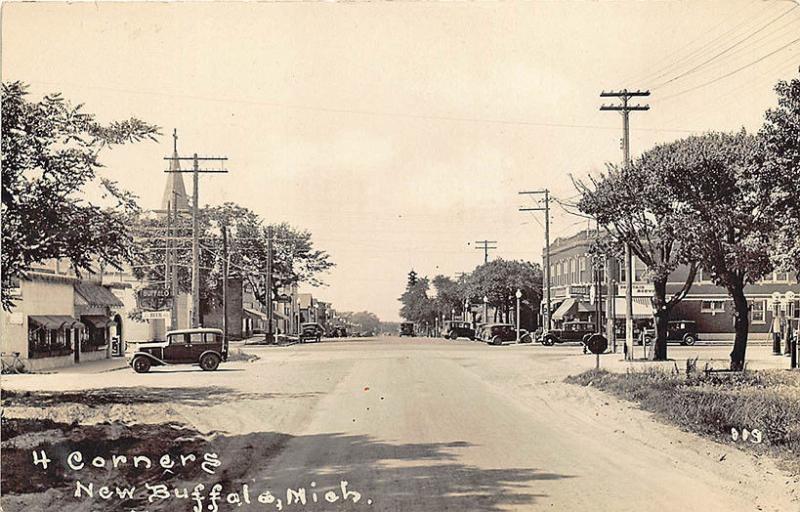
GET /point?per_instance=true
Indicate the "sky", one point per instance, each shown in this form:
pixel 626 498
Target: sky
pixel 400 133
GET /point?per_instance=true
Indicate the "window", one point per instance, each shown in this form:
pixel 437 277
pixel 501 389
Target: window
pixel 712 306
pixel 758 311
pixel 196 337
pixel 781 277
pixel 211 338
pixel 583 264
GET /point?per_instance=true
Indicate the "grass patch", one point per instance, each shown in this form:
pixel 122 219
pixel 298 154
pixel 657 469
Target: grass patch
pixel 714 404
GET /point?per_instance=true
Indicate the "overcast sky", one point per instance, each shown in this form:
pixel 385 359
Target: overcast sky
pixel 399 133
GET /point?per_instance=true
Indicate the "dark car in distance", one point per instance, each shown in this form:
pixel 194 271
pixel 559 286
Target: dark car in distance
pixel 311 331
pixel 407 329
pixel 570 331
pixel 681 331
pixel 497 334
pixel 204 347
pixel 455 330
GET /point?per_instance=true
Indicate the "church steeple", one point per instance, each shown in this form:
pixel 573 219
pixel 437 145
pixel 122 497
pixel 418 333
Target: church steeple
pixel 175 191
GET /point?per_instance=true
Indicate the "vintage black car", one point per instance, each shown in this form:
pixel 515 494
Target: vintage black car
pixel 407 329
pixel 205 347
pixel 497 334
pixel 570 331
pixel 311 331
pixel 455 330
pixel 681 331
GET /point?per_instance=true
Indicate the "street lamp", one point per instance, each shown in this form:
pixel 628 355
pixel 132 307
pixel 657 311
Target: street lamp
pixel 453 314
pixel 298 317
pixel 485 309
pixel 518 295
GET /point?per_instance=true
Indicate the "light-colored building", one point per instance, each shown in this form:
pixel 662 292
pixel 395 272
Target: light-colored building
pixel 60 319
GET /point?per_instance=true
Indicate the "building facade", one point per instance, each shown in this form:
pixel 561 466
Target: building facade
pixel 574 288
pixel 60 319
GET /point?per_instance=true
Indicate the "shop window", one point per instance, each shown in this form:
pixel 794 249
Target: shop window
pixel 43 342
pixel 712 306
pixel 758 311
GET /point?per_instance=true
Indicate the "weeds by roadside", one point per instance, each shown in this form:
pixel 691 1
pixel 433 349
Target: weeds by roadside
pixel 718 405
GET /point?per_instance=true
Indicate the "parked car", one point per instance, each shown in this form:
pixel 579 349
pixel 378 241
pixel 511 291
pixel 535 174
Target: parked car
pixel 681 331
pixel 570 331
pixel 497 334
pixel 311 331
pixel 407 329
pixel 455 330
pixel 205 347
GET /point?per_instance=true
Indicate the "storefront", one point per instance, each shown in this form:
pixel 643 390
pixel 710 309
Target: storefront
pixel 94 305
pixel 53 336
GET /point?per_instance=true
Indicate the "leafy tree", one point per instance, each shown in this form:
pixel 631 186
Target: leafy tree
pixel 637 205
pixel 781 133
pixel 416 305
pixel 499 280
pixel 364 321
pixel 449 296
pixel 50 151
pixel 718 179
pixel 295 259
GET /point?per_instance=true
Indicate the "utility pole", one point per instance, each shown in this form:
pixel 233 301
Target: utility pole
pixel 173 314
pixel 625 109
pixel 224 284
pixel 486 246
pixel 548 324
pixel 270 336
pixel 195 222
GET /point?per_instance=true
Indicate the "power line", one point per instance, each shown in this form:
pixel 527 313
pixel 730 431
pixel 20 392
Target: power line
pixel 726 50
pixel 657 72
pixel 726 75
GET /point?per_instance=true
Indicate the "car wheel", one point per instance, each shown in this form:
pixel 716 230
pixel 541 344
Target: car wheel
pixel 689 340
pixel 141 364
pixel 497 340
pixel 548 341
pixel 648 340
pixel 526 339
pixel 209 362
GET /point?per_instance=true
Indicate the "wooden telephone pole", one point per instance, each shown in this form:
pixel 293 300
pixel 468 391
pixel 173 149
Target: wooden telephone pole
pixel 486 246
pixel 548 323
pixel 625 109
pixel 196 171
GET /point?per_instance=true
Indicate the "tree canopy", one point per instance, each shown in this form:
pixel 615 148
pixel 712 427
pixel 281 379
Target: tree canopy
pixel 780 134
pixel 50 153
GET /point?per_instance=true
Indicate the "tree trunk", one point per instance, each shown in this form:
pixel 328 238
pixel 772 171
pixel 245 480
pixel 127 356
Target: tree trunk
pixel 660 319
pixel 741 324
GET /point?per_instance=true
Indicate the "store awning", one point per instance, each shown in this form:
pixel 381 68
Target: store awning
pixel 97 295
pixel 98 321
pixel 55 322
pixel 563 309
pixel 255 313
pixel 642 307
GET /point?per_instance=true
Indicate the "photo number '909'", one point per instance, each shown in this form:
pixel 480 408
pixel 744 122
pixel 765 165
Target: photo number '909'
pixel 754 436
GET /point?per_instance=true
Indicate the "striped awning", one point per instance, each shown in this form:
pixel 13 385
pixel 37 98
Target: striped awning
pixel 642 307
pixel 55 322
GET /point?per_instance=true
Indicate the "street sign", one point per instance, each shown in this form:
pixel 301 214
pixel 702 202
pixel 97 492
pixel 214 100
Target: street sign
pixel 283 298
pixel 597 343
pixel 155 315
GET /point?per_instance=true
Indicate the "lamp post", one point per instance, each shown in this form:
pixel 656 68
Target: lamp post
pixel 452 314
pixel 298 318
pixel 518 295
pixel 485 309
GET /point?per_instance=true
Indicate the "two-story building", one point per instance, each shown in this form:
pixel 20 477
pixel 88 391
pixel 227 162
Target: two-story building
pixel 574 285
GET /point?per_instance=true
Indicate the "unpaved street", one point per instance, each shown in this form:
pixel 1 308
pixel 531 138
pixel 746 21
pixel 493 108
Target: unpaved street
pixel 422 425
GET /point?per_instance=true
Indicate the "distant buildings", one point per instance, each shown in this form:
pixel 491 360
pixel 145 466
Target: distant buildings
pixel 573 288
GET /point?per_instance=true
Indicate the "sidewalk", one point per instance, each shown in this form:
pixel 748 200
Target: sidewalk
pixel 100 366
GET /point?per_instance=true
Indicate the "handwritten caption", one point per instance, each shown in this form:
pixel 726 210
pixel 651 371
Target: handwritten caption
pixel 202 496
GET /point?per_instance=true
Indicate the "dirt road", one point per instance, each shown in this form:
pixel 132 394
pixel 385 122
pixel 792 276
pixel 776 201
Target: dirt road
pixel 422 425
